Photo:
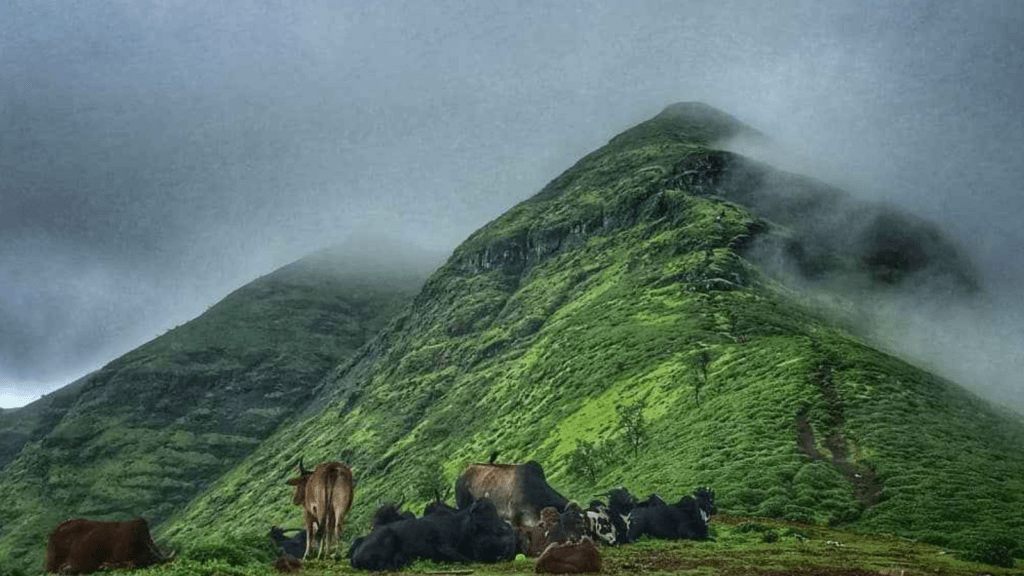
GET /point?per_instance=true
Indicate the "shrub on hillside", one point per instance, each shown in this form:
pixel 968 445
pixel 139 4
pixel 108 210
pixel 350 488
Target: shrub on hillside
pixel 12 571
pixel 794 513
pixel 992 550
pixel 774 507
pixel 935 539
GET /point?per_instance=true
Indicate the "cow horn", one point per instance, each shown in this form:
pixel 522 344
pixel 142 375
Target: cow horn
pixel 302 469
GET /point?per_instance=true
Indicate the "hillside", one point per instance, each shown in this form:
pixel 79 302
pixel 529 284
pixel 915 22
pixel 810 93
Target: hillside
pixel 654 278
pixel 18 426
pixel 152 429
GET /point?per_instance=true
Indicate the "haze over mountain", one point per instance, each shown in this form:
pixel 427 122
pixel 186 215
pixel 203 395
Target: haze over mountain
pixel 156 155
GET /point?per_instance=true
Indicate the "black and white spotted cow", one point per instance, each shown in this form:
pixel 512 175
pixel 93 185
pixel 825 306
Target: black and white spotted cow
pixel 609 523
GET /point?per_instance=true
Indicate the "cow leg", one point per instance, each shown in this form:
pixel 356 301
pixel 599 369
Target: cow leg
pixel 328 533
pixel 311 533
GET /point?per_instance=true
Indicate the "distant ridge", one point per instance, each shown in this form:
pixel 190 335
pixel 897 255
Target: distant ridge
pixel 153 428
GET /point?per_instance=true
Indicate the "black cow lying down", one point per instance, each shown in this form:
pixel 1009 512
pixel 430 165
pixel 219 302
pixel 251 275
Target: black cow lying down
pixel 294 547
pixel 687 519
pixel 475 534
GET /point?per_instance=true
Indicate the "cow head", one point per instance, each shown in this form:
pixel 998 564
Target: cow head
pixel 277 535
pixel 299 493
pixel 439 506
pixel 652 501
pixel 387 514
pixel 620 501
pixel 705 498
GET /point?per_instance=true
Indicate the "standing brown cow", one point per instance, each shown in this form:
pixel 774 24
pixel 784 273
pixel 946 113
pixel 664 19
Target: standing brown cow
pixel 325 494
pixel 81 546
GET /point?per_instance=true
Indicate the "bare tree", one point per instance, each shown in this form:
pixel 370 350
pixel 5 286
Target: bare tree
pixel 586 460
pixel 631 418
pixel 700 368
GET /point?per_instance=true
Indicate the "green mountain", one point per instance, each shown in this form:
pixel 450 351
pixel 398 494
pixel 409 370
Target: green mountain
pixel 152 429
pixel 637 322
pixel 644 320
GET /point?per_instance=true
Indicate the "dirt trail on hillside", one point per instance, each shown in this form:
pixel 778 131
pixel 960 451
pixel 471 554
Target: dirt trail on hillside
pixel 866 487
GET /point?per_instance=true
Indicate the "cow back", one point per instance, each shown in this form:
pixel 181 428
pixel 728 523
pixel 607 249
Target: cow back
pixel 315 497
pixel 82 545
pixel 494 481
pixel 341 490
pixel 519 491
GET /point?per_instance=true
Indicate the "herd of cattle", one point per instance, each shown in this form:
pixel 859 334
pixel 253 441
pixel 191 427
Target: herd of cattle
pixel 501 510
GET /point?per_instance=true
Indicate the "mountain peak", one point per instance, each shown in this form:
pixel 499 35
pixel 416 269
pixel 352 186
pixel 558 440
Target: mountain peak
pixel 694 121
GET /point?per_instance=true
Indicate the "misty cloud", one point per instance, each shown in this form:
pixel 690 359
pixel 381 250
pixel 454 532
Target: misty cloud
pixel 156 155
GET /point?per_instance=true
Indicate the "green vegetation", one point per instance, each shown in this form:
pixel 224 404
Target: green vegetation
pixel 742 547
pixel 635 279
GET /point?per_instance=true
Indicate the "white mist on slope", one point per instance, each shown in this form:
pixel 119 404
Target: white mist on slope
pixel 974 340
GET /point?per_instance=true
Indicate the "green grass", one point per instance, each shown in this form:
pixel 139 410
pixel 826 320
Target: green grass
pixel 742 546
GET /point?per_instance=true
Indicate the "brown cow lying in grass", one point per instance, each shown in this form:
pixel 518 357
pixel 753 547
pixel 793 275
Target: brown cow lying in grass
pixel 81 546
pixel 572 557
pixel 562 543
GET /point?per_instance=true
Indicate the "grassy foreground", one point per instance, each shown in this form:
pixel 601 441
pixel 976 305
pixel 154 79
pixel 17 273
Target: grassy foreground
pixel 743 546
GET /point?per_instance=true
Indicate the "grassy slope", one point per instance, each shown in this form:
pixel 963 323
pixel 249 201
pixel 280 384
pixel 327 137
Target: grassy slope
pixel 18 426
pixel 742 547
pixel 601 291
pixel 146 433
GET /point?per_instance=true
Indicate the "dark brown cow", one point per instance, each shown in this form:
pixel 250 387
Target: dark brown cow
pixel 80 546
pixel 519 491
pixel 534 540
pixel 325 494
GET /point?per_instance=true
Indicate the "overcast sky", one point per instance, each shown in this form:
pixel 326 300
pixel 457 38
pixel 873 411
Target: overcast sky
pixel 156 155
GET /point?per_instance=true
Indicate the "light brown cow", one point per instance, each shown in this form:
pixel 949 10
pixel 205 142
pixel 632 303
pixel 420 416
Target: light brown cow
pixel 325 494
pixel 519 491
pixel 80 546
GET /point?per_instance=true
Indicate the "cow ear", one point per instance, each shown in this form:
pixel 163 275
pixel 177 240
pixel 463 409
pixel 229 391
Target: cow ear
pixel 293 481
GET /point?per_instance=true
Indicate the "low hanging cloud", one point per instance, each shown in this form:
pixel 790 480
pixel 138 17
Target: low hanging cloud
pixel 156 155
